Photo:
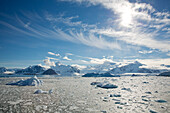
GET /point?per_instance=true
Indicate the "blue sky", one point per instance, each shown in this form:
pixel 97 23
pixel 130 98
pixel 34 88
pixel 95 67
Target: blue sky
pixel 83 32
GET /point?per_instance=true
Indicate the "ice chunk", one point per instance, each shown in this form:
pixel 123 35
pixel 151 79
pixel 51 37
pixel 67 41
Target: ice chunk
pixel 146 82
pixel 115 95
pixel 15 102
pixel 39 91
pixel 104 111
pixel 95 83
pixel 127 89
pixel 73 107
pixel 121 103
pixel 50 91
pixel 148 92
pixel 108 86
pixel 104 84
pixel 34 81
pixel 151 111
pixel 146 100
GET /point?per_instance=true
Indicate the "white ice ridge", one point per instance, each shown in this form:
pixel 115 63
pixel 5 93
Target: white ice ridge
pixel 34 81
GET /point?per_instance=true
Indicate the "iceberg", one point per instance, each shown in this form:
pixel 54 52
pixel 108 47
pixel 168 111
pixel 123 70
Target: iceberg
pixel 34 81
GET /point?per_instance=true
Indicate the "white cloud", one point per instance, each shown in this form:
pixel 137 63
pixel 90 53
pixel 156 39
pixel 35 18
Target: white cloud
pixel 155 63
pixel 137 24
pixel 51 53
pixel 48 62
pixel 79 66
pixel 133 23
pixel 51 58
pixel 65 20
pixel 66 58
pixel 69 54
pixel 145 52
pixel 148 63
pixel 100 61
pixel 168 54
pixel 92 40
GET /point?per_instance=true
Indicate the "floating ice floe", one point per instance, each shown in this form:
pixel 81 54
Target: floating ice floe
pixel 34 81
pixel 39 91
pixel 104 84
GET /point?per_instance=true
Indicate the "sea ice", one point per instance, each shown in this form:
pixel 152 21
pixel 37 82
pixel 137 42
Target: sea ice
pixel 34 81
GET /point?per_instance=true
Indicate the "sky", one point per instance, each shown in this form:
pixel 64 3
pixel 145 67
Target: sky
pixel 84 32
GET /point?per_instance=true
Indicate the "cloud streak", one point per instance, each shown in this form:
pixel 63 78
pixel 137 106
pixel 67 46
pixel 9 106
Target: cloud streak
pixel 136 23
pixel 51 53
pixel 30 27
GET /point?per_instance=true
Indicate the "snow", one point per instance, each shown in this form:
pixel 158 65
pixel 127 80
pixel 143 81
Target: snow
pixel 34 81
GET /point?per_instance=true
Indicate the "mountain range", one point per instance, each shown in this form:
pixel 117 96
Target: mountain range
pixel 105 69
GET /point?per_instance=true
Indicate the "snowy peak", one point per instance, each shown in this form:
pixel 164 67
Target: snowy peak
pixel 36 69
pixel 2 70
pixel 100 68
pixel 65 70
pixel 58 63
pixel 132 68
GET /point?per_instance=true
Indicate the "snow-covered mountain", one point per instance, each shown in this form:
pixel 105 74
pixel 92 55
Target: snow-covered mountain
pixel 36 69
pixel 2 70
pixel 105 69
pixel 132 68
pixel 49 72
pixel 65 70
pixel 100 68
